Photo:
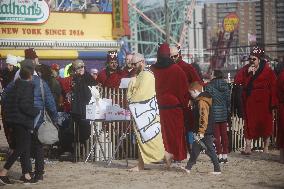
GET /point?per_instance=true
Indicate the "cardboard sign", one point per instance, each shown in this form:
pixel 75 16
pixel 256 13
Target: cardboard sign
pixel 117 113
pixel 91 112
pixel 145 115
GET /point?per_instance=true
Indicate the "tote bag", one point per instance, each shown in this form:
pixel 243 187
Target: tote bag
pixel 47 132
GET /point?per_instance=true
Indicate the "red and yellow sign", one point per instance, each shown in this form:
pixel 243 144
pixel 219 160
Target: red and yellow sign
pixel 63 26
pixel 120 18
pixel 231 22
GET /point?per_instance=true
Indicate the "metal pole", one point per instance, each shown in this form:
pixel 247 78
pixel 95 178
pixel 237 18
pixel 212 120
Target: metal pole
pixel 167 27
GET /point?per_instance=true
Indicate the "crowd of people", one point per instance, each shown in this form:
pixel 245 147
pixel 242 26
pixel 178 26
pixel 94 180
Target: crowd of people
pixel 192 115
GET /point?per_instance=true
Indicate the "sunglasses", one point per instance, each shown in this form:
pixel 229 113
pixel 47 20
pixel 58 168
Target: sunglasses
pixel 174 56
pixel 252 59
pixel 79 68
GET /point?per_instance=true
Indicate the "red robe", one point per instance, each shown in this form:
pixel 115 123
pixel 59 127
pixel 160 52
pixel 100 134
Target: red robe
pixel 258 105
pixel 280 92
pixel 66 85
pixel 190 71
pixel 112 81
pixel 192 76
pixel 127 74
pixel 172 95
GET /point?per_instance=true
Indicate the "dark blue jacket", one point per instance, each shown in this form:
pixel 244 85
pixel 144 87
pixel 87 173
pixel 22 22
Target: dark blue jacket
pixel 38 101
pixel 220 92
pixel 18 106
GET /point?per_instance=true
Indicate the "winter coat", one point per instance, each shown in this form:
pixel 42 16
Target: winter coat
pixel 18 105
pixel 8 76
pixel 49 100
pixel 203 114
pixel 81 94
pixel 220 92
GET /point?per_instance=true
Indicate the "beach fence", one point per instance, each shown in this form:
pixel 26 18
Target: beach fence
pixel 112 134
pixel 110 139
pixel 236 136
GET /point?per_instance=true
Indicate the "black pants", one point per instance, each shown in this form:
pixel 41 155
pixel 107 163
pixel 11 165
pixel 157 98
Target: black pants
pixel 37 153
pixel 196 148
pixel 22 148
pixel 82 130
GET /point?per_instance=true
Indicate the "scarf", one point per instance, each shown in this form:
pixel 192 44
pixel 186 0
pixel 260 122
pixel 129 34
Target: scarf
pixel 254 77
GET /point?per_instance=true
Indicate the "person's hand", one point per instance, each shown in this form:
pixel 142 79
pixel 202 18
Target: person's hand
pixel 198 136
pixel 252 69
pixel 190 103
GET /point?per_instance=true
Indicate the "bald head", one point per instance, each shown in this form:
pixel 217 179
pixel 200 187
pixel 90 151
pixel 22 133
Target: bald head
pixel 174 53
pixel 138 62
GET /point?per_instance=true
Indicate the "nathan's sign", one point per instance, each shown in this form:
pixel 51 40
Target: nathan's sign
pixel 23 11
pixel 231 22
pixel 62 26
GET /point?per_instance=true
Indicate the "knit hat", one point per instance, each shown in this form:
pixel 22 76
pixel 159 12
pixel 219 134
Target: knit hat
pixel 112 55
pixel 55 67
pixel 163 50
pixel 28 64
pixel 30 53
pixel 78 63
pixel 11 60
pixel 257 51
pixel 94 71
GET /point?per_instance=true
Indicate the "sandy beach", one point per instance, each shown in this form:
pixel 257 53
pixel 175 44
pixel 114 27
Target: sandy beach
pixel 256 171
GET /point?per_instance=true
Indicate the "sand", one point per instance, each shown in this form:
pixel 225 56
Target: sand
pixel 256 171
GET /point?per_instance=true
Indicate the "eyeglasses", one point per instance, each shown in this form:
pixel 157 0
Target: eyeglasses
pixel 252 59
pixel 174 56
pixel 134 64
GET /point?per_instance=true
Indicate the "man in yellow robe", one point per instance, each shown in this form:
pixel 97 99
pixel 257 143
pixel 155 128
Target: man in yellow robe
pixel 144 108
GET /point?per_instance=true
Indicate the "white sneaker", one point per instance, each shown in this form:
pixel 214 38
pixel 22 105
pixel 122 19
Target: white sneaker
pixel 185 169
pixel 216 173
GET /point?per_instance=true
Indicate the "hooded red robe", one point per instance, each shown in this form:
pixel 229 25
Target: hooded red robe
pixel 172 96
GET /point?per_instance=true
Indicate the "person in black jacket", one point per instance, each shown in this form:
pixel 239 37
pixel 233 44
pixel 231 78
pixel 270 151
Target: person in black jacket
pixel 20 112
pixel 203 127
pixel 80 97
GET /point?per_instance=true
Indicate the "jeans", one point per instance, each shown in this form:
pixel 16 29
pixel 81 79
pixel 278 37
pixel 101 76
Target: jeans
pixel 196 149
pixel 22 148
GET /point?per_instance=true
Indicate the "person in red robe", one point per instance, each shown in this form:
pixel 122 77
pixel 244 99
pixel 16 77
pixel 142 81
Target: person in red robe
pixel 110 76
pixel 128 70
pixel 172 96
pixel 189 70
pixel 192 76
pixel 280 132
pixel 259 98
